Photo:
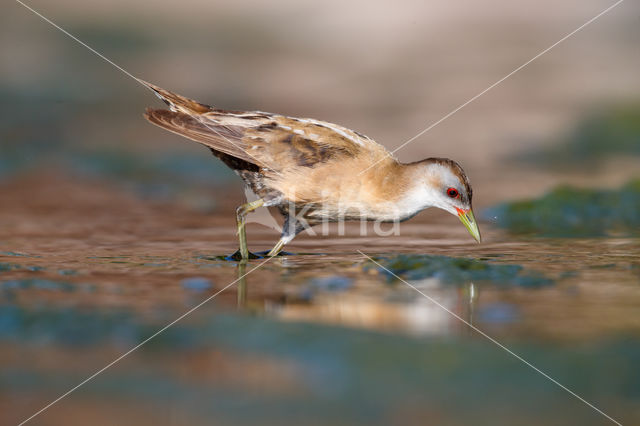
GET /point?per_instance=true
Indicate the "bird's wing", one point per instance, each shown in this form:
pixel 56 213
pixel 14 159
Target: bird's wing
pixel 267 140
pixel 303 142
pixel 222 138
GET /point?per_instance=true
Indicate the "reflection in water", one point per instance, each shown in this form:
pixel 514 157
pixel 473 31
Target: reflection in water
pixel 346 290
pixel 473 295
pixel 308 336
pixel 242 283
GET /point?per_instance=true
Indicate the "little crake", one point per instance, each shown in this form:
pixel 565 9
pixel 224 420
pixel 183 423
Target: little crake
pixel 314 170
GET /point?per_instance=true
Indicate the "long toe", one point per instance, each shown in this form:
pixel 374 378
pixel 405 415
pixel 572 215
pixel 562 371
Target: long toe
pixel 238 256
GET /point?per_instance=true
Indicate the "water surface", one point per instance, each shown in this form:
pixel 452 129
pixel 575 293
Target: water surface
pixel 320 335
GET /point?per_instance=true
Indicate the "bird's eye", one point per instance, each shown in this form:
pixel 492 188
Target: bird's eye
pixel 453 193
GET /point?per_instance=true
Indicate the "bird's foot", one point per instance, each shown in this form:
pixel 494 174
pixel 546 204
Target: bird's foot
pixel 267 253
pixel 238 256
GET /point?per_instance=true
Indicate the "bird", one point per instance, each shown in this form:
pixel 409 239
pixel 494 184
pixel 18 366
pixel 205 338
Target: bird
pixel 315 171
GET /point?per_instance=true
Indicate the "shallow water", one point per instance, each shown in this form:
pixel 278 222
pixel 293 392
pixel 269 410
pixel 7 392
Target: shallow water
pixel 320 335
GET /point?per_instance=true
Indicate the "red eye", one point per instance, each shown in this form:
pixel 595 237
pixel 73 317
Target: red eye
pixel 453 193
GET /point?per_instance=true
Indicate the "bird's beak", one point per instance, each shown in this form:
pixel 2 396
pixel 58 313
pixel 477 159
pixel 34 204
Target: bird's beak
pixel 469 222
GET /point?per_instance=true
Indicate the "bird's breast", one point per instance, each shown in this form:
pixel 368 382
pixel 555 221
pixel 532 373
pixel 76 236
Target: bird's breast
pixel 341 191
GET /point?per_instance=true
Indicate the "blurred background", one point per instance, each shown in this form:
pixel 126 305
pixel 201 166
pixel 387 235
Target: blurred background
pixel 110 227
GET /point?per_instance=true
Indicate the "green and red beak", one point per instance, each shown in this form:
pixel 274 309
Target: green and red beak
pixel 469 222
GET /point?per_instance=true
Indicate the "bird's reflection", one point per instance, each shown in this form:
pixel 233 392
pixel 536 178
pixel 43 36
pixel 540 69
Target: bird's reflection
pixel 242 284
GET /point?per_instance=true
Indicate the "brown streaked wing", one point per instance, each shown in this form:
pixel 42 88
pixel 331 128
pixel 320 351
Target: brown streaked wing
pixel 223 138
pixel 291 142
pixel 284 148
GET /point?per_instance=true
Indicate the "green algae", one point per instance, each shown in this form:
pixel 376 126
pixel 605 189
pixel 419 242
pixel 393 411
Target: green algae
pixel 573 212
pixel 600 135
pixel 4 267
pixel 9 266
pixel 459 270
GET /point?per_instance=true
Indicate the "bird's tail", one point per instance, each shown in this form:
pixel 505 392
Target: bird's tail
pixel 178 103
pixel 198 122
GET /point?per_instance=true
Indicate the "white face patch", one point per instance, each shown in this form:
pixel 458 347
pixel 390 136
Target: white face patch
pixel 439 179
pixel 448 179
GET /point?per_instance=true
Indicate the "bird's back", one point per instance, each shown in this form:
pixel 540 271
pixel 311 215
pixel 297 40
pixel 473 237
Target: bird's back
pixel 297 157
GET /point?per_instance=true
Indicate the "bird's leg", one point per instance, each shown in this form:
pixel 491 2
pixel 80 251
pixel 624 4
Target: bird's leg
pixel 290 229
pixel 276 249
pixel 241 212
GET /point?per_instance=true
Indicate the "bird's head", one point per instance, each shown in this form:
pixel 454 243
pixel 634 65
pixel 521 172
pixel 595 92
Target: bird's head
pixel 448 189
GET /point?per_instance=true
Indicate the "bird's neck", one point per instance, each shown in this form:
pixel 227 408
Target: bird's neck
pixel 406 189
pixel 420 187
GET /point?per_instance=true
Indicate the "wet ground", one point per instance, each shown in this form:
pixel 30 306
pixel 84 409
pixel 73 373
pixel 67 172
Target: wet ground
pixel 87 271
